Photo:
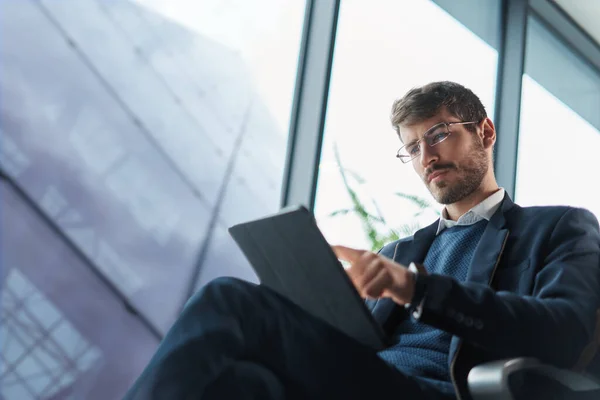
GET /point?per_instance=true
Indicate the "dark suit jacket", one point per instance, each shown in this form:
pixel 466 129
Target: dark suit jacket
pixel 533 290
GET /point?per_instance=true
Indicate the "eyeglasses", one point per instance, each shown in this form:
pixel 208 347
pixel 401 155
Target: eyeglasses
pixel 434 136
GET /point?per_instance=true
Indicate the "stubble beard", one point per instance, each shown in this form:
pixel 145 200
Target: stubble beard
pixel 472 175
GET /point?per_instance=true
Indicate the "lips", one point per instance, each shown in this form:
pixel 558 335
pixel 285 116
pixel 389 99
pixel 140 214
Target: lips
pixel 435 174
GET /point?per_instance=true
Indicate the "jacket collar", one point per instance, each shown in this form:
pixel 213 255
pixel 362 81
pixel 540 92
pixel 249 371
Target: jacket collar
pixel 486 255
pixel 484 262
pixel 491 245
pixel 416 249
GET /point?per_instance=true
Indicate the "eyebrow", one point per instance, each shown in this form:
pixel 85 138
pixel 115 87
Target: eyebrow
pixel 412 142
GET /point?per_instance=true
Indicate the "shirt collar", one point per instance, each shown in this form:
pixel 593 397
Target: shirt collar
pixel 483 210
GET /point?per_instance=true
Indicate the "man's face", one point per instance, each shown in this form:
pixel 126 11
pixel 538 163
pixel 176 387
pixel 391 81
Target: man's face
pixel 454 168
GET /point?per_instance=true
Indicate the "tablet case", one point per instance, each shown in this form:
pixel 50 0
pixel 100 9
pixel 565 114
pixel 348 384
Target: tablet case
pixel 290 255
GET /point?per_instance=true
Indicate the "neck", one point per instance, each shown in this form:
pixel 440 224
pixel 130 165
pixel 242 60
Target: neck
pixel 455 210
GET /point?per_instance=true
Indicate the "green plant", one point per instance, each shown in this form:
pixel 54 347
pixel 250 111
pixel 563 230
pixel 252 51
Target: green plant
pixel 375 226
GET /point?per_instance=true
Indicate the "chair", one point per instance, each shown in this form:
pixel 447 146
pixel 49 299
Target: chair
pixel 495 380
pixel 492 381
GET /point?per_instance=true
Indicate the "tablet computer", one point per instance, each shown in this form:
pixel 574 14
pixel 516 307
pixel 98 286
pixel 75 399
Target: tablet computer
pixel 290 255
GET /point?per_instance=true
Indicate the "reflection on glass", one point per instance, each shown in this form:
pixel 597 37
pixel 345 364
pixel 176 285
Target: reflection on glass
pixel 142 130
pixel 63 333
pixel 383 50
pixel 42 353
pixel 12 159
pixel 559 111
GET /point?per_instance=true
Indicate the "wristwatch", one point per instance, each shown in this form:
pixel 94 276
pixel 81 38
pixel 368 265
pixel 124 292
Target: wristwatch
pixel 415 306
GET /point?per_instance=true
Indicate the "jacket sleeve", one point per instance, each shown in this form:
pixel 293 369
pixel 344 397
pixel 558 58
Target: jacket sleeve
pixel 553 324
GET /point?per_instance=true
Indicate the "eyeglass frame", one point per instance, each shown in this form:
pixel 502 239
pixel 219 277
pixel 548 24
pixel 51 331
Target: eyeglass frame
pixel 418 142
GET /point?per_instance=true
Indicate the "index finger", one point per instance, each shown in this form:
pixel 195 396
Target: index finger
pixel 347 253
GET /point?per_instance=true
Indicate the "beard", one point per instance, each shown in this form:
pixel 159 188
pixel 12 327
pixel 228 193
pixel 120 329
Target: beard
pixel 470 176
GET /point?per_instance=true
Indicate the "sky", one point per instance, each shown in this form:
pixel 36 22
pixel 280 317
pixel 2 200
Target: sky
pixel 266 33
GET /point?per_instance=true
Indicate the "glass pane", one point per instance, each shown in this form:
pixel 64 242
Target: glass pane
pixel 95 171
pixel 63 333
pixel 142 130
pixel 383 49
pixel 481 17
pixel 559 111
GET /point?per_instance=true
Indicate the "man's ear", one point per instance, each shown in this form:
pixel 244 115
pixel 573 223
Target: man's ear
pixel 488 133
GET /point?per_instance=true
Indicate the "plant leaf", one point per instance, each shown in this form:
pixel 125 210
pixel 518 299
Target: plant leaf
pixel 340 212
pixel 418 201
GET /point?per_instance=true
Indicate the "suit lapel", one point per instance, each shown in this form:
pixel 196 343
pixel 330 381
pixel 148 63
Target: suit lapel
pixel 385 311
pixel 485 260
pixel 487 255
pixel 490 247
pixel 416 250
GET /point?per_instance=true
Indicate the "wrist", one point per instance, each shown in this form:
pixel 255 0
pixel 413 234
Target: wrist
pixel 419 285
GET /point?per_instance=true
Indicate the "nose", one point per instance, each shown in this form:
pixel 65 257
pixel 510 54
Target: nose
pixel 428 155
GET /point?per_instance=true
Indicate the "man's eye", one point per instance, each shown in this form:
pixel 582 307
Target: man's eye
pixel 413 150
pixel 437 137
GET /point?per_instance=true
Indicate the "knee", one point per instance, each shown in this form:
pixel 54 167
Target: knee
pixel 220 291
pixel 225 286
pixel 244 379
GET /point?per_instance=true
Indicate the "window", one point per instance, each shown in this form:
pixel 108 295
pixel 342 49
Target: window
pixel 382 50
pixel 141 130
pixel 63 331
pixel 559 127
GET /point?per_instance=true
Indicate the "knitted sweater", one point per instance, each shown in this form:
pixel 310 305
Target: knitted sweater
pixel 420 350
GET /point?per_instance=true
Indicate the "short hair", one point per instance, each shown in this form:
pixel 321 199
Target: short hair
pixel 424 102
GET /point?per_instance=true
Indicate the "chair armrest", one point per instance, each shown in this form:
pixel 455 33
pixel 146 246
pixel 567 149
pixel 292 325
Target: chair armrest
pixel 489 381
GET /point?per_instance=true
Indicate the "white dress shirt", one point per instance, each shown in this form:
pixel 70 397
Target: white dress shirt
pixel 483 210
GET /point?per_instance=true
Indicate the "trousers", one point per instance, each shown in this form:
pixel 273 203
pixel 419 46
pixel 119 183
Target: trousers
pixel 239 340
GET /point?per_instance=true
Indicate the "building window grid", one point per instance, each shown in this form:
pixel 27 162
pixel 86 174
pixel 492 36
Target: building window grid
pixel 21 327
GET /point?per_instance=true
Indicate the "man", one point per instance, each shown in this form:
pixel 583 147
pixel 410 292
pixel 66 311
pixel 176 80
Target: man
pixel 489 280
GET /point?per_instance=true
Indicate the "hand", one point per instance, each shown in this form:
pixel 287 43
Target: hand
pixel 376 276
